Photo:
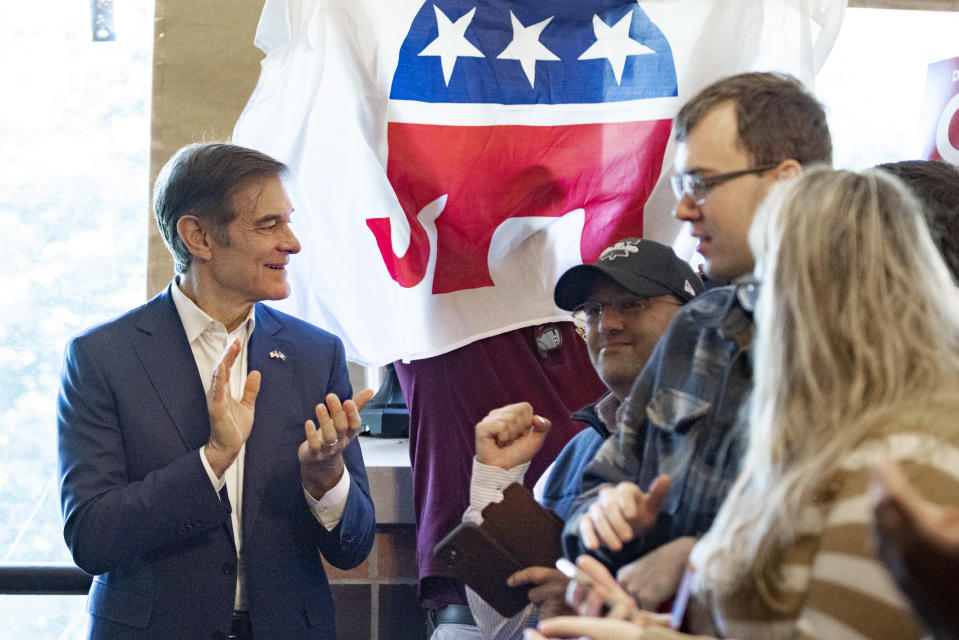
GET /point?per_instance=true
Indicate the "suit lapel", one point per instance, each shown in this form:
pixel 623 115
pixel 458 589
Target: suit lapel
pixel 165 354
pixel 274 358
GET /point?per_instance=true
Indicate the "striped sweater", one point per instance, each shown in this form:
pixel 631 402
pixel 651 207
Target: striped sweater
pixel 833 584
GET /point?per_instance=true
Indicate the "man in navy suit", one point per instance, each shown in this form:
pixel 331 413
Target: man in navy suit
pixel 194 484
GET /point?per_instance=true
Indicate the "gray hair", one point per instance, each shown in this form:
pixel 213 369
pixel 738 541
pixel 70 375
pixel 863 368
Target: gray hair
pixel 202 180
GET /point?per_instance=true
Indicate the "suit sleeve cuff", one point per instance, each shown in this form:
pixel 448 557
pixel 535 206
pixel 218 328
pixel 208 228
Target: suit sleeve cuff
pixel 328 510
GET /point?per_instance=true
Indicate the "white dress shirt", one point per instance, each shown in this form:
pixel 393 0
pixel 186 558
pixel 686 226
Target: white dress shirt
pixel 208 340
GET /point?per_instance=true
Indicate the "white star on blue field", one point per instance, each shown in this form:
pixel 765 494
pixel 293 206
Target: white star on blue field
pixel 533 52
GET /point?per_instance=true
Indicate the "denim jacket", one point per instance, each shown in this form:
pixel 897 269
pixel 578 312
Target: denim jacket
pixel 682 419
pixel 563 484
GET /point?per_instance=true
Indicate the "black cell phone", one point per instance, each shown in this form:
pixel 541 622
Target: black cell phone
pixel 477 559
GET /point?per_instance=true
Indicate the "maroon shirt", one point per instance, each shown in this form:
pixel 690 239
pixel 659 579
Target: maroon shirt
pixel 448 394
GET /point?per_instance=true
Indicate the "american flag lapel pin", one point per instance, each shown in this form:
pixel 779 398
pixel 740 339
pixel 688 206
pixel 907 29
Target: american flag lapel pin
pixel 276 353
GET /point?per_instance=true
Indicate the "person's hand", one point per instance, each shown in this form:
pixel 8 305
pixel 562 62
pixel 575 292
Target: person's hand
pixel 594 628
pixel 321 454
pixel 549 594
pixel 655 578
pixel 510 436
pixel 620 513
pixel 598 594
pixel 919 543
pixel 231 420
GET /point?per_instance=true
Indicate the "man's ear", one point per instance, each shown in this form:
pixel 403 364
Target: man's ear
pixel 788 168
pixel 197 241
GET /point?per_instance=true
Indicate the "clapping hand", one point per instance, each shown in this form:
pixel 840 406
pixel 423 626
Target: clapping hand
pixel 231 420
pixel 321 453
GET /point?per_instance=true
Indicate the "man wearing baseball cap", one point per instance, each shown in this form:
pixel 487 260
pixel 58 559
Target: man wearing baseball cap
pixel 625 302
pixel 643 283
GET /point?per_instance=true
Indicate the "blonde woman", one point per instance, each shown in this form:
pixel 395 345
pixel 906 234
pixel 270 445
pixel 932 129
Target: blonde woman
pixel 856 361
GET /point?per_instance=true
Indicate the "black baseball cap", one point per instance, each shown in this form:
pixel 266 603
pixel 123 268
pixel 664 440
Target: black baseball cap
pixel 644 267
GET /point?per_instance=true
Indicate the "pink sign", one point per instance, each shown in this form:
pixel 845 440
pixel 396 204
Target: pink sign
pixel 940 115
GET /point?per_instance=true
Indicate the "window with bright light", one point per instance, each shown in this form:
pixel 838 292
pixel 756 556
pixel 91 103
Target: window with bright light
pixel 74 185
pixel 874 80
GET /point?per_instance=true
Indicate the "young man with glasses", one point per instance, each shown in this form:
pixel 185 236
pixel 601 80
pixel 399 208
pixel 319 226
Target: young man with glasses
pixel 625 301
pixel 736 138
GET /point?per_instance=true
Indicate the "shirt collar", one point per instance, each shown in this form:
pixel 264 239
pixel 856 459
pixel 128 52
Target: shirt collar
pixel 606 408
pixel 729 311
pixel 195 320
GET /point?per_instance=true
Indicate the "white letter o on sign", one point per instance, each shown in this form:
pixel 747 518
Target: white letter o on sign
pixel 944 145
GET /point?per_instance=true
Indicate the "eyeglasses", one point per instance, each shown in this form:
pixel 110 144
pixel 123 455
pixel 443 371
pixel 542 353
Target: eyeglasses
pixel 590 312
pixel 697 187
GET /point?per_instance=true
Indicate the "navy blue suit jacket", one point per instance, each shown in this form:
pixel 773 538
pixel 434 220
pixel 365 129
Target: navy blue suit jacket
pixel 139 510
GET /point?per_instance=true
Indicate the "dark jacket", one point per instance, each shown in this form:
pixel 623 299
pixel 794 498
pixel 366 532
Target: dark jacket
pixel 140 512
pixel 563 485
